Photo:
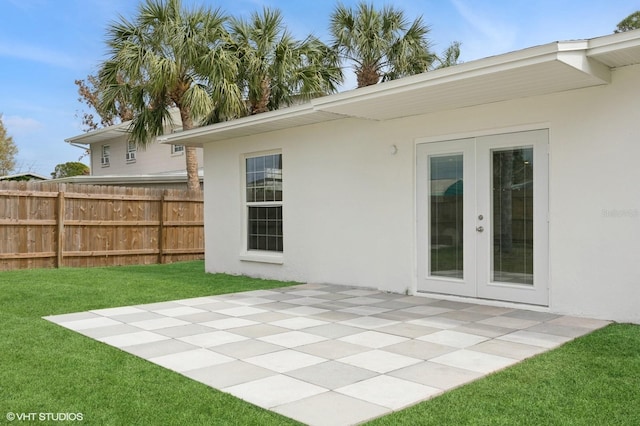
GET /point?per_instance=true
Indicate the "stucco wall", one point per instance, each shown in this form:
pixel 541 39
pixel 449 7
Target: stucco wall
pixel 349 203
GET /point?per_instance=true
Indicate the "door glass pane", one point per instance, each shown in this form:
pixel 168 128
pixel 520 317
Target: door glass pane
pixel 512 199
pixel 445 213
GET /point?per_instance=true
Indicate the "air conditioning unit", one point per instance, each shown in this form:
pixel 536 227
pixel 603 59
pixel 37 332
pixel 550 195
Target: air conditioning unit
pixel 104 161
pixel 131 156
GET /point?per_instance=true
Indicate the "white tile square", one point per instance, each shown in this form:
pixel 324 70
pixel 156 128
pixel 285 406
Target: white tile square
pixel 250 301
pixel 176 312
pixel 437 322
pixel 130 339
pixel 536 339
pixel 285 360
pixel 112 312
pixel 85 324
pixel 195 301
pixel 306 301
pixel 368 322
pixel 474 361
pixel 292 339
pixel 273 391
pixel 241 311
pixel 190 360
pixel 373 339
pixel 303 311
pixel 155 324
pixel 229 323
pixel 379 361
pixel 298 323
pixel 453 338
pixel 215 338
pixel 389 392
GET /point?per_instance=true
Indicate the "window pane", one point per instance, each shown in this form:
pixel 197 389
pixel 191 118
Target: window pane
pixel 512 186
pixel 265 228
pixel 445 216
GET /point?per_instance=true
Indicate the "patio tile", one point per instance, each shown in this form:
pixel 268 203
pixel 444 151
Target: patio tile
pixel 179 311
pixel 246 348
pixel 419 349
pixel 251 301
pixel 112 312
pixel 588 323
pixel 158 306
pixel 333 330
pixel 280 296
pixel 332 349
pixel 559 330
pixel 303 310
pixel 130 339
pixel 531 315
pixel 392 304
pixel 436 375
pixel 59 319
pixel 195 301
pixel 260 293
pixel 275 390
pixel 214 338
pixel 241 311
pixel 215 305
pixel 202 317
pixel 88 323
pixel 292 339
pixel 190 360
pixel 373 339
pixel 368 322
pixel 482 329
pixel 298 323
pixel 332 374
pixel 184 330
pixel 452 304
pixel 155 324
pixel 465 316
pixel 142 316
pixel 417 300
pixel 331 409
pixel 389 392
pixel 474 361
pixel 508 349
pixel 306 301
pixel 285 360
pixel 307 293
pixel 379 360
pixel 334 316
pixel 509 322
pixel 160 348
pixel 437 322
pixel 364 310
pixel 536 339
pixel 334 296
pixel 426 310
pixel 267 316
pixel 229 323
pixel 359 292
pixel 111 330
pixel 361 300
pixel 488 310
pixel 259 330
pixel 228 374
pixel 453 338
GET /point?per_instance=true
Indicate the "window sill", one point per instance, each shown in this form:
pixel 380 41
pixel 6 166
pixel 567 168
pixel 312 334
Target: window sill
pixel 262 257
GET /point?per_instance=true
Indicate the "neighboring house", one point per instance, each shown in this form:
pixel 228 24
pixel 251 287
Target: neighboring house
pixel 24 177
pixel 506 180
pixel 114 160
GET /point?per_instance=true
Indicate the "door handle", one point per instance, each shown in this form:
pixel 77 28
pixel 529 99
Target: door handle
pixel 480 228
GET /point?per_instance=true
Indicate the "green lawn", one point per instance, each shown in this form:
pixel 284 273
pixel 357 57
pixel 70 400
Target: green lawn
pixel 46 368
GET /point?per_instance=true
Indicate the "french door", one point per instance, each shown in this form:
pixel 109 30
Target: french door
pixel 482 223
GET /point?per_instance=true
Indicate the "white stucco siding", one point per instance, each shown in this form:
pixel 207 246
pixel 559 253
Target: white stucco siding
pixel 349 204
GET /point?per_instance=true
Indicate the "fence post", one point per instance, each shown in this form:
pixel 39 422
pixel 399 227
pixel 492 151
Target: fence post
pixel 161 230
pixel 60 229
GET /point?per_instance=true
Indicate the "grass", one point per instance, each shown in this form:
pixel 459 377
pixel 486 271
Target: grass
pixel 46 368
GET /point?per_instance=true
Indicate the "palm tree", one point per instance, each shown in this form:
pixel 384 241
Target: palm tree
pixel 275 68
pixel 382 45
pixel 170 57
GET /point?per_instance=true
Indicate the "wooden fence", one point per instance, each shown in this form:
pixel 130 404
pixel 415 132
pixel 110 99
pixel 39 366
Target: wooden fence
pixel 45 225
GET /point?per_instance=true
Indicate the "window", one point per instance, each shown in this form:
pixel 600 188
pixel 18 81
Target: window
pixel 132 149
pixel 264 202
pixel 105 156
pixel 177 149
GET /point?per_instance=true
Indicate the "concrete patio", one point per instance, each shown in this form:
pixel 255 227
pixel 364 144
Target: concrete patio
pixel 326 354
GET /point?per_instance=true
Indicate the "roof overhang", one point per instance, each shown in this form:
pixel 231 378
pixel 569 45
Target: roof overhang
pixel 100 135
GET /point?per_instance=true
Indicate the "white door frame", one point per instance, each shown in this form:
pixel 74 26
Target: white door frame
pixel 477 281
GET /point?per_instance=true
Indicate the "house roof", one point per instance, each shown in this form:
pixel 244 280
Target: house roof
pixel 550 68
pixel 21 176
pixel 178 176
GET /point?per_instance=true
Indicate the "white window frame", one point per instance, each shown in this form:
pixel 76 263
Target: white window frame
pixel 132 150
pixel 177 149
pixel 106 156
pixel 252 255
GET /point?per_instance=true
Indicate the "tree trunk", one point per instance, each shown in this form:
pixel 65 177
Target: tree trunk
pixel 262 103
pixel 191 156
pixel 367 76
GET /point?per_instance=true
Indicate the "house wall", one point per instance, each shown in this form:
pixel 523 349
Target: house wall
pixel 155 158
pixel 349 203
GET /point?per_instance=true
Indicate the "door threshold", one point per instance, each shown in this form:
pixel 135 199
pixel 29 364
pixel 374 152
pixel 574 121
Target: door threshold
pixel 485 302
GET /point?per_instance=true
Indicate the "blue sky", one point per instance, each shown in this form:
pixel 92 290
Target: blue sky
pixel 47 44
